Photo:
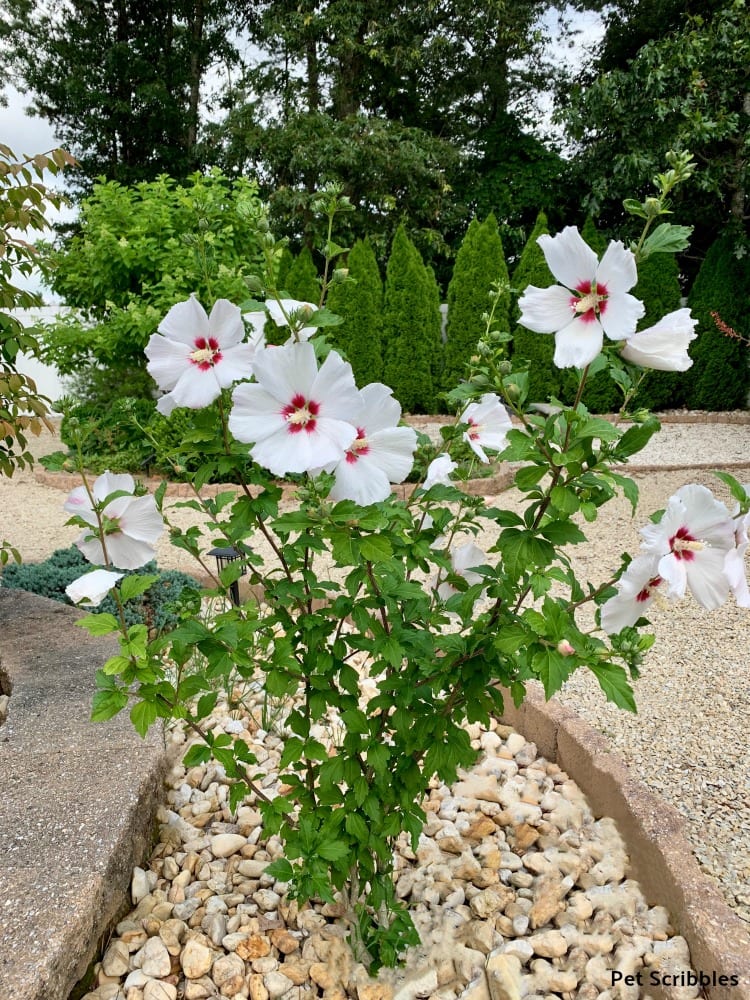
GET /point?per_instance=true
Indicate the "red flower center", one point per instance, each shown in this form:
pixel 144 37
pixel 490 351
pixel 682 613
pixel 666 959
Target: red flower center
pixel 358 447
pixel 591 301
pixel 474 429
pixel 300 414
pixel 683 545
pixel 206 353
pixel 645 594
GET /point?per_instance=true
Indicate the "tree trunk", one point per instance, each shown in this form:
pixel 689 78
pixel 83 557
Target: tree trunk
pixel 196 75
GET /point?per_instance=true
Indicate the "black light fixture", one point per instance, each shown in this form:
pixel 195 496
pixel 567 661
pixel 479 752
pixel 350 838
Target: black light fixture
pixel 223 557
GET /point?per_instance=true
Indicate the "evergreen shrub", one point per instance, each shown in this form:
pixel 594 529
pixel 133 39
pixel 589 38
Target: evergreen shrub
pixel 480 261
pixel 360 304
pixel 411 327
pixel 719 378
pixel 301 281
pixel 155 608
pixel 535 349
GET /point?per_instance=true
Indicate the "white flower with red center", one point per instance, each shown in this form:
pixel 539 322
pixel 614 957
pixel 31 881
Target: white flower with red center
pixel 691 542
pixel 194 356
pixel 91 588
pixel 590 300
pixel 489 423
pixel 463 560
pixel 298 417
pixel 636 589
pixel 131 525
pixel 382 453
pixel 292 312
pixel 663 346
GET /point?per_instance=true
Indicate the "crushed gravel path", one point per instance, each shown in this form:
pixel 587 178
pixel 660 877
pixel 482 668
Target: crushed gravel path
pixel 689 741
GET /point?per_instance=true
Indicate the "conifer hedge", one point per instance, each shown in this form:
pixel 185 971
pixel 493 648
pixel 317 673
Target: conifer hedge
pixel 480 261
pixel 302 278
pixel 535 349
pixel 360 304
pixel 719 377
pixel 411 328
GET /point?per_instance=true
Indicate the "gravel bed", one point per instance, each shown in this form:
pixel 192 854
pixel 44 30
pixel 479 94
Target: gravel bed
pixel 689 740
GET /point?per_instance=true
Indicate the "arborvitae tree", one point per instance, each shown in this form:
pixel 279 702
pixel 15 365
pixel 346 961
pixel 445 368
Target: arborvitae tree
pixel 479 261
pixel 302 278
pixel 719 377
pixel 593 237
pixel 360 303
pixel 436 319
pixel 535 348
pixel 285 263
pixel 658 289
pixel 411 327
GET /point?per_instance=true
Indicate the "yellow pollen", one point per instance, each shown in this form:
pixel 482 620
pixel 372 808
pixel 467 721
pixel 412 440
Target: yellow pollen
pixel 202 355
pixel 590 301
pixel 359 444
pixel 301 416
pixel 680 544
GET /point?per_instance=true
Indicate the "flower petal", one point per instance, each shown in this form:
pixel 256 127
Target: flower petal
pixel 286 371
pixel 577 344
pixel 620 314
pixel 663 346
pixel 185 321
pixel 255 413
pixel 167 360
pixel 91 588
pixel 617 270
pixel 545 310
pixel 569 257
pixel 196 388
pixel 225 323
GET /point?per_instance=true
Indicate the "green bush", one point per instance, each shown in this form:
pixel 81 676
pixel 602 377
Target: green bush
pixel 360 304
pixel 411 328
pixel 110 437
pixel 302 278
pixel 155 608
pixel 480 261
pixel 719 377
pixel 535 349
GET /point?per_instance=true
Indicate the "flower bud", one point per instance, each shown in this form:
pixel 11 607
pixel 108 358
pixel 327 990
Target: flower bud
pixel 653 207
pixel 505 367
pixel 564 648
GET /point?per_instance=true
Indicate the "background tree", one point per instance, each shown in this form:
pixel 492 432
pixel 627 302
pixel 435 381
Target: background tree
pixel 537 349
pixel 301 279
pixel 360 303
pixel 411 328
pixel 119 80
pixel 480 262
pixel 684 89
pixel 719 378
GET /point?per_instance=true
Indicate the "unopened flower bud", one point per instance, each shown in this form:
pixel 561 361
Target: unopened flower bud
pixel 254 284
pixel 505 367
pixel 653 207
pixel 564 648
pixel 340 274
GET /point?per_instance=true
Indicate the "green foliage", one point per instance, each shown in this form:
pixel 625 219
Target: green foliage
pixel 684 89
pixel 120 84
pixel 110 437
pixel 411 328
pixel 136 253
pixel 719 378
pixel 23 202
pixel 480 262
pixel 360 303
pixel 659 290
pixel 529 348
pixel 155 608
pixel 302 281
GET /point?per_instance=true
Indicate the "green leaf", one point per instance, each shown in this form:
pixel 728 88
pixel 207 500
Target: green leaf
pixel 99 624
pixel 563 533
pixel 198 753
pixel 143 716
pixel 667 238
pixel 107 703
pixel 736 488
pixel 280 870
pixel 375 548
pixel 134 586
pixel 636 438
pixel 553 669
pixel 116 665
pixel 333 850
pixel 356 827
pixel 528 477
pixel 564 499
pixel 613 680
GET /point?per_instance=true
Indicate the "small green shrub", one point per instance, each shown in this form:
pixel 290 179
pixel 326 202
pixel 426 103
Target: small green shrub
pixel 110 437
pixel 155 608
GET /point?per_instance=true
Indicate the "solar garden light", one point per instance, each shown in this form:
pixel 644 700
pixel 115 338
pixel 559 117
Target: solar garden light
pixel 223 557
